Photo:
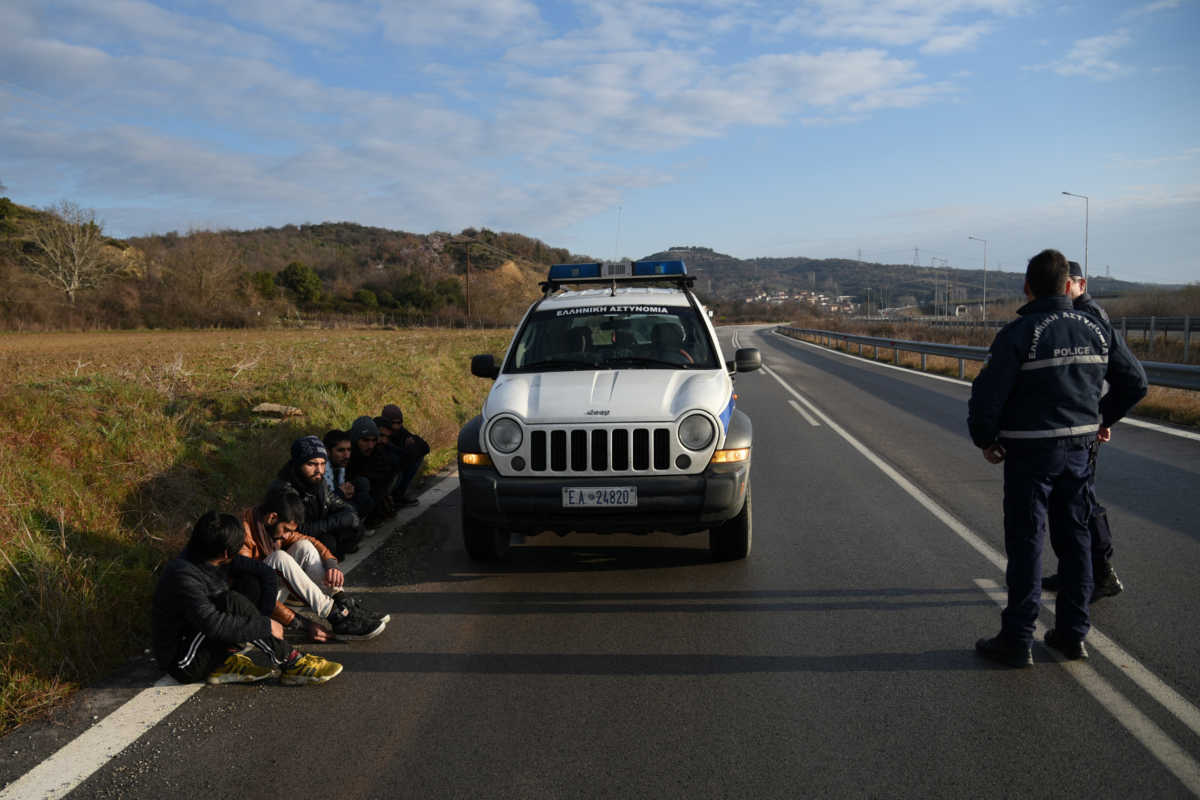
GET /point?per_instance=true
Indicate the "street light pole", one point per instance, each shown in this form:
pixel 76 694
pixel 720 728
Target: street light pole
pixel 1085 229
pixel 976 238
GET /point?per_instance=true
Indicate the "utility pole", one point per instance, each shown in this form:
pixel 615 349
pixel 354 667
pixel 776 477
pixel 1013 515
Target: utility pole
pixel 976 238
pixel 1085 230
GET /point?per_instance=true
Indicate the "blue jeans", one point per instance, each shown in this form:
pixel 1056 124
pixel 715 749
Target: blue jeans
pixel 1046 485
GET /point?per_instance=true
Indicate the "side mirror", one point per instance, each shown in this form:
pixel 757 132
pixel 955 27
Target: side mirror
pixel 484 366
pixel 747 359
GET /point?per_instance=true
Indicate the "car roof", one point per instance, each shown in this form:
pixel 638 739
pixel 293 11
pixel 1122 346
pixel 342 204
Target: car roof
pixel 657 295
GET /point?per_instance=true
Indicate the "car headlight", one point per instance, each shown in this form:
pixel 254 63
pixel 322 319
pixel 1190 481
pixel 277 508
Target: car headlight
pixel 505 435
pixel 696 432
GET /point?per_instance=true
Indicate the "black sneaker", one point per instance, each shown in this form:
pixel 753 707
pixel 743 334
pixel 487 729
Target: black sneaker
pixel 1072 649
pixel 1001 649
pixel 353 625
pixel 1107 583
pixel 354 604
pixel 1050 583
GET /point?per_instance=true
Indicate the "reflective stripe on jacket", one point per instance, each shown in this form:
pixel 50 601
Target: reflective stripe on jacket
pixel 1043 376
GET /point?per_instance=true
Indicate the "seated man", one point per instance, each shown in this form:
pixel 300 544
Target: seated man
pixel 306 569
pixel 409 453
pixel 337 475
pixel 375 463
pixel 327 516
pixel 199 623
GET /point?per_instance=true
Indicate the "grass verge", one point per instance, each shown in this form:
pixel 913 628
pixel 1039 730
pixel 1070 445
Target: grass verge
pixel 114 443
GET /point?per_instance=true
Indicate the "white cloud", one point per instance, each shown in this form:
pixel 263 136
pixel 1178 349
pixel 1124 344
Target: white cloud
pixel 953 39
pixel 1190 154
pixel 159 108
pixel 929 23
pixel 1091 58
pixel 1152 8
pixel 458 22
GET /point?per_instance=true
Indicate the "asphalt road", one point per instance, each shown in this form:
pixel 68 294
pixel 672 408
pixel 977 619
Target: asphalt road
pixel 836 661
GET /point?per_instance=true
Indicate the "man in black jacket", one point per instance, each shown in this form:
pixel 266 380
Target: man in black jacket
pixel 327 517
pixel 409 453
pixel 1036 406
pixel 199 622
pixel 1106 580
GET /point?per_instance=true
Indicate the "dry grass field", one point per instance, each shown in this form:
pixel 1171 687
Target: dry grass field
pixel 114 443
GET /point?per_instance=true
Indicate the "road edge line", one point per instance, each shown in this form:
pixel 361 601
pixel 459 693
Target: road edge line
pixel 77 760
pixel 1171 700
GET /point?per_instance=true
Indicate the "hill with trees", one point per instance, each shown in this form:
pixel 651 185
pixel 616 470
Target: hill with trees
pixel 59 270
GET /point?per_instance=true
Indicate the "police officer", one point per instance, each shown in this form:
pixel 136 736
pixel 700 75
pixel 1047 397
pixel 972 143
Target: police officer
pixel 1036 406
pixel 1107 582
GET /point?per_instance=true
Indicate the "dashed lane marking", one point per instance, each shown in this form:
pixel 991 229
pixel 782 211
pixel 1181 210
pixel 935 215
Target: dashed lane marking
pixel 1153 738
pixel 1168 698
pixel 809 418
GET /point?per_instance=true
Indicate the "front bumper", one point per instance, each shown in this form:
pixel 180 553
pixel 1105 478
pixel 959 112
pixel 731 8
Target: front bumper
pixel 672 503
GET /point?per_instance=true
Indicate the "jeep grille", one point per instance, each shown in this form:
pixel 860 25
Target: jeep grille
pixel 600 450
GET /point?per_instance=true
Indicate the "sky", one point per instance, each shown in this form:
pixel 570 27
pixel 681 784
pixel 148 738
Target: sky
pixel 891 130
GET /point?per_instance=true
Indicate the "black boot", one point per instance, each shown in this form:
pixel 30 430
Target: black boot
pixel 1107 582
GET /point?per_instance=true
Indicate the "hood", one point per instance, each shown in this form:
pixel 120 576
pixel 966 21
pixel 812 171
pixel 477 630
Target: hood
pixel 621 395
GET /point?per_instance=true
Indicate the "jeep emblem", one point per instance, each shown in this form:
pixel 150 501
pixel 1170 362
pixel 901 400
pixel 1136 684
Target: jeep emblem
pixel 597 412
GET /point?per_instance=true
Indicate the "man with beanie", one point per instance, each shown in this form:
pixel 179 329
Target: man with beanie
pixel 199 623
pixel 306 569
pixel 327 517
pixel 371 462
pixel 409 451
pixel 1035 407
pixel 1107 582
pixel 337 475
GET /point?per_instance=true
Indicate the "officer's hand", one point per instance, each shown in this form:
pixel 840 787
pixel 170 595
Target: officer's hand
pixel 1104 434
pixel 994 453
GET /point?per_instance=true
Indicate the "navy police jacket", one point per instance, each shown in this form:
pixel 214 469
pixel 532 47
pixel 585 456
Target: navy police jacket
pixel 1044 376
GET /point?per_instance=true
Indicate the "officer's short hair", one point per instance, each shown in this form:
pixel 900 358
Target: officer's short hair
pixel 1047 274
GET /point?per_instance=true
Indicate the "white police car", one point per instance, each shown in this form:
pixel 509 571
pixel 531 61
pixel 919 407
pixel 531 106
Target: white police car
pixel 613 411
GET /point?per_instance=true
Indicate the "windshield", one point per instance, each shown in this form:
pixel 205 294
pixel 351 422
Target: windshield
pixel 612 336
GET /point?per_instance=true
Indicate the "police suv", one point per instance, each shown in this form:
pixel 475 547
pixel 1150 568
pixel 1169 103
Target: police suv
pixel 613 411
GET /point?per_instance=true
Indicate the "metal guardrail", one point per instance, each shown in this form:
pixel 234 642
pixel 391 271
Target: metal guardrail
pixel 1160 373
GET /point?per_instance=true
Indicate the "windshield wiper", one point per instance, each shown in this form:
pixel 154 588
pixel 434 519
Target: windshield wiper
pixel 644 361
pixel 557 363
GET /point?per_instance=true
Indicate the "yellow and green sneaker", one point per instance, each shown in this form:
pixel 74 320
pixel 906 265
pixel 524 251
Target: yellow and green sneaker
pixel 238 668
pixel 309 669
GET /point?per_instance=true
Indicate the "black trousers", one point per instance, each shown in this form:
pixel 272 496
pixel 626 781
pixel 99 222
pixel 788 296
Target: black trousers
pixel 1045 486
pixel 196 655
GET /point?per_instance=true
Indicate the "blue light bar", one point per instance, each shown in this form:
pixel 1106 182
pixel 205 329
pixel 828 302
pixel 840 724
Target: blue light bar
pixel 659 268
pixel 565 272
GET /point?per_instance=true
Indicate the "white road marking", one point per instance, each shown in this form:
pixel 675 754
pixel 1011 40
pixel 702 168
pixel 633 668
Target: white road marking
pixel 1137 423
pixel 1153 738
pixel 77 760
pixel 91 750
pixel 1168 698
pixel 807 416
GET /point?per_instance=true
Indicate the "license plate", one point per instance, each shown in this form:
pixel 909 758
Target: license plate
pixel 596 496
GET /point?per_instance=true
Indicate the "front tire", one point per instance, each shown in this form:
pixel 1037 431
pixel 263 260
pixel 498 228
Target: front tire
pixel 731 540
pixel 484 542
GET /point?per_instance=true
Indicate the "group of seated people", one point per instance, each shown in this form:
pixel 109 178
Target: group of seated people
pixel 228 587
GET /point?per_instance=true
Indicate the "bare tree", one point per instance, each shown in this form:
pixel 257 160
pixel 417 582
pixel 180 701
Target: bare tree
pixel 205 267
pixel 68 250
